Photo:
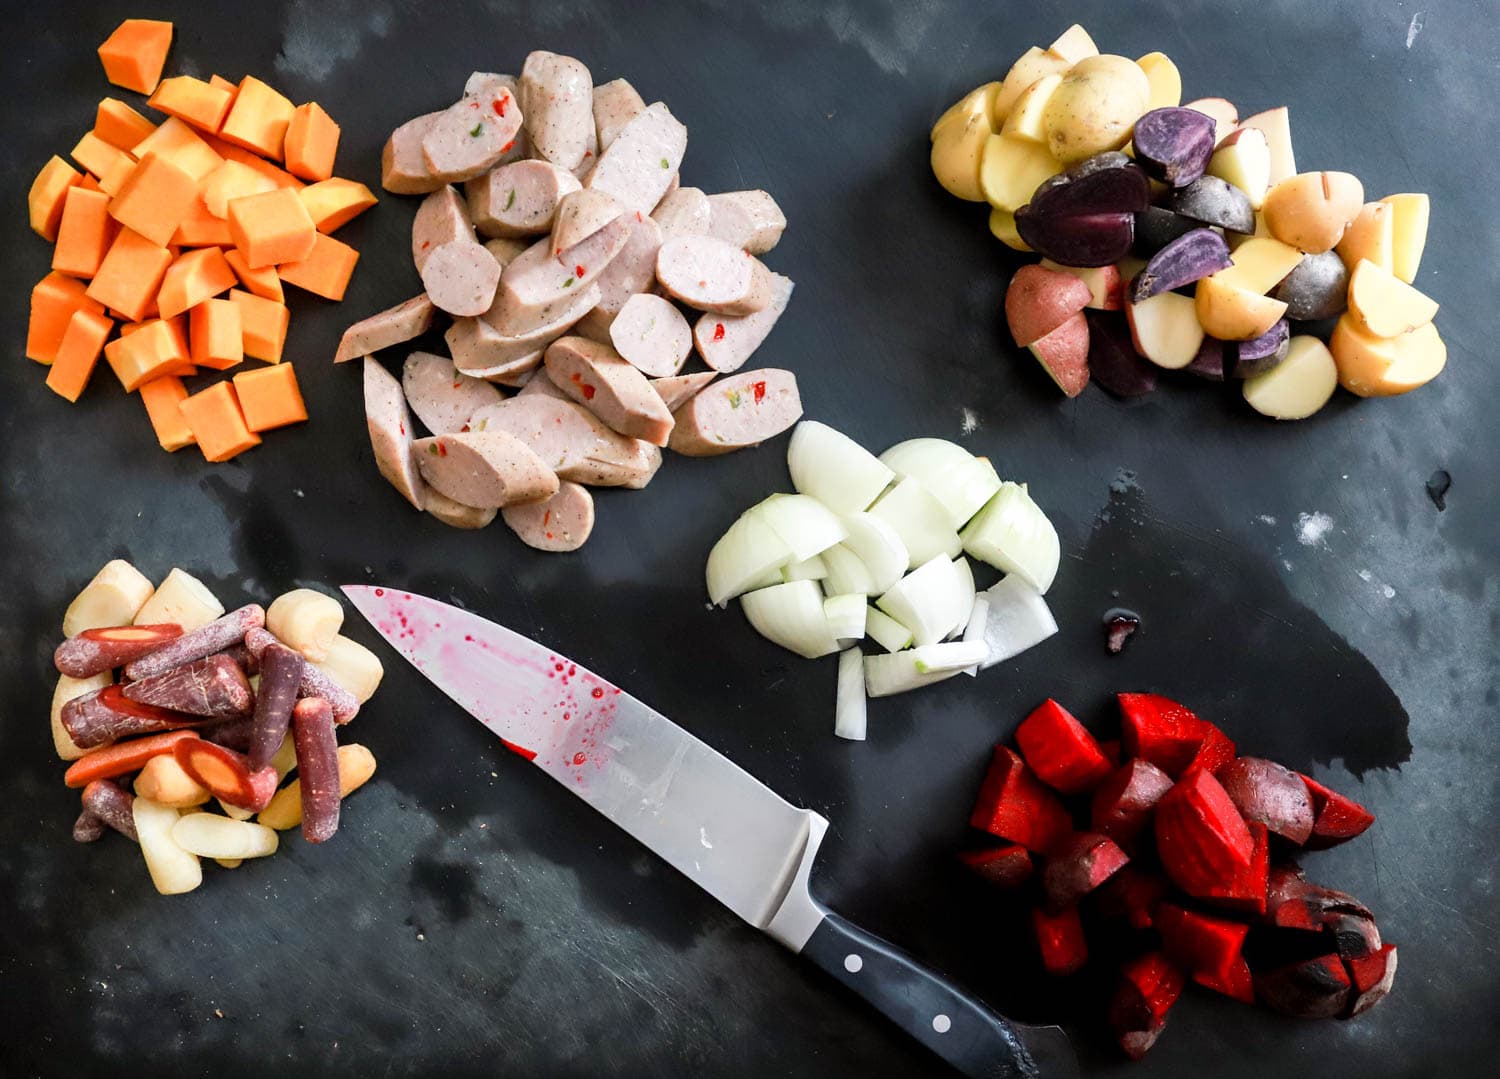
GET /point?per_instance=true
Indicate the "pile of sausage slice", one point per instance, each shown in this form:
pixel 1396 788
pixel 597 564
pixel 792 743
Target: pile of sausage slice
pixel 620 306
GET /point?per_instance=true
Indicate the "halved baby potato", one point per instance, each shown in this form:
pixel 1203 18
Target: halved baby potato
pixel 1385 366
pixel 1012 169
pixel 1299 385
pixel 958 142
pixel 1231 313
pixel 1384 305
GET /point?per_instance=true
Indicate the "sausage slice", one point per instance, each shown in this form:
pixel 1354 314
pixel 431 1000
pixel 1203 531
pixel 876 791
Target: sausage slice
pixel 403 168
pixel 456 514
pixel 480 350
pixel 684 212
pixel 652 335
pixel 596 377
pixel 674 390
pixel 630 272
pixel 519 199
pixel 484 469
pixel 442 218
pixel 581 214
pixel 505 251
pixel 442 398
pixel 726 342
pixel 735 412
pixel 477 83
pixel 408 319
pixel 535 290
pixel 389 422
pixel 640 163
pixel 470 136
pixel 562 523
pixel 571 439
pixel 712 275
pixel 461 277
pixel 557 95
pixel 747 219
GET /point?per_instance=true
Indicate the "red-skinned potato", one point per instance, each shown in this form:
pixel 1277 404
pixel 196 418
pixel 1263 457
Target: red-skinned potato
pixel 1106 284
pixel 1040 300
pixel 1064 355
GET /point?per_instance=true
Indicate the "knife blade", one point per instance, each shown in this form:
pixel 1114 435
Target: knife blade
pixel 704 815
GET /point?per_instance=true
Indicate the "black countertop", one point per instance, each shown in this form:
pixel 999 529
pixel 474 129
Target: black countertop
pixel 1297 585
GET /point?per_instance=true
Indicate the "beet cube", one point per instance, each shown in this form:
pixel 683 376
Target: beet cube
pixel 1236 983
pixel 1059 938
pixel 1123 803
pixel 1131 896
pixel 1373 976
pixel 1005 867
pixel 1246 889
pixel 1062 753
pixel 1162 731
pixel 1204 843
pixel 1200 943
pixel 1149 985
pixel 1313 989
pixel 1265 791
pixel 1336 819
pixel 1078 865
pixel 1014 805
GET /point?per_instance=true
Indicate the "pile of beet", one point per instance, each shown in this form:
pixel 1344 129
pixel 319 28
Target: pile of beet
pixel 1186 854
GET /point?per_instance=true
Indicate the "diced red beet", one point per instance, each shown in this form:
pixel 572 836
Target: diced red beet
pixel 1014 805
pixel 1162 731
pixel 1132 895
pixel 1292 902
pixel 1059 938
pixel 1372 975
pixel 1203 841
pixel 1149 985
pixel 1236 983
pixel 1123 803
pixel 1078 865
pixel 1060 750
pixel 1313 989
pixel 1111 751
pixel 1265 791
pixel 1215 753
pixel 1336 819
pixel 1354 935
pixel 1246 889
pixel 1005 867
pixel 1200 943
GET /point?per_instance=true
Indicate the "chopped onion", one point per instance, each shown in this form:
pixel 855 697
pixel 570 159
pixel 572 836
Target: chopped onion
pixel 846 573
pixel 949 658
pixel 744 558
pixel 809 569
pixel 806 525
pixel 1018 619
pixel 963 603
pixel 897 673
pixel 846 616
pixel 834 469
pixel 879 547
pixel 791 615
pixel 978 615
pixel 849 708
pixel 1012 534
pixel 885 630
pixel 920 520
pixel 927 600
pixel 962 482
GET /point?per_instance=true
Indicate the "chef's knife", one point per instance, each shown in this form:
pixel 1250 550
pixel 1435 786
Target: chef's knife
pixel 735 837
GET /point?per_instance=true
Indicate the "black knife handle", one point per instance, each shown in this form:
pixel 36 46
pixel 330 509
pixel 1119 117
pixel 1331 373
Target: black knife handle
pixel 963 1031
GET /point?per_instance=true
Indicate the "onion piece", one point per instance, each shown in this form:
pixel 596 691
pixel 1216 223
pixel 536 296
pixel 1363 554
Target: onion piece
pixel 962 482
pixel 743 559
pixel 1012 534
pixel 878 545
pixel 1018 619
pixel 963 603
pixel 849 713
pixel 833 468
pixel 951 657
pixel 897 673
pixel 920 520
pixel 809 569
pixel 846 573
pixel 846 616
pixel 974 632
pixel 885 630
pixel 806 525
pixel 791 615
pixel 927 600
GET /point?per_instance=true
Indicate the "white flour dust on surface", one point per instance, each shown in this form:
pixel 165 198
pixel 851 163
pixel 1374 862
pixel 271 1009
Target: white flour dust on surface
pixel 1369 578
pixel 1266 519
pixel 968 421
pixel 1417 22
pixel 320 37
pixel 1313 528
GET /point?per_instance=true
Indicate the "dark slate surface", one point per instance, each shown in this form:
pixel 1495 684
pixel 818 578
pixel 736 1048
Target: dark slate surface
pixel 1297 584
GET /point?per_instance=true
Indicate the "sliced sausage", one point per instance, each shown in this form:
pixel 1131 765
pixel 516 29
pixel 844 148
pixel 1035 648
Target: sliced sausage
pixel 580 215
pixel 456 514
pixel 674 390
pixel 615 105
pixel 440 395
pixel 747 219
pixel 470 136
pixel 519 199
pixel 726 342
pixel 540 384
pixel 484 469
pixel 535 290
pixel 684 212
pixel 480 350
pixel 408 319
pixel 735 412
pixel 389 422
pixel 562 523
pixel 477 83
pixel 557 96
pixel 461 277
pixel 672 188
pixel 403 168
pixel 630 272
pixel 505 251
pixel 596 377
pixel 577 445
pixel 712 275
pixel 651 334
pixel 442 218
pixel 640 163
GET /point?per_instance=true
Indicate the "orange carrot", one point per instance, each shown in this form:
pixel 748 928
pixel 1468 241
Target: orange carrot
pixel 325 271
pixel 48 191
pixel 83 234
pixel 81 347
pixel 312 142
pixel 130 274
pixel 270 397
pixel 155 199
pixel 259 119
pixel 217 423
pixel 122 757
pixel 271 227
pixel 135 53
pixel 161 396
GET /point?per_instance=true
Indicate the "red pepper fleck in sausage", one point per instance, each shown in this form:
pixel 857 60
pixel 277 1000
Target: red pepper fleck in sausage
pixel 718 331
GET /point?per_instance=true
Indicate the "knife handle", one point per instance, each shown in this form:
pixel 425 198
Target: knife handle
pixel 968 1035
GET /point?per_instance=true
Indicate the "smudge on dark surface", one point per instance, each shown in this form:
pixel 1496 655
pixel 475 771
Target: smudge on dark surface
pixel 1437 488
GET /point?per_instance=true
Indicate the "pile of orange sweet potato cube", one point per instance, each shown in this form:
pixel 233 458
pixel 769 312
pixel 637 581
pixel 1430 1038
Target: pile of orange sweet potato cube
pixel 173 241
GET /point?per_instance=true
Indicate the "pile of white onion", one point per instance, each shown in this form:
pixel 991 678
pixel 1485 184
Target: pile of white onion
pixel 893 530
